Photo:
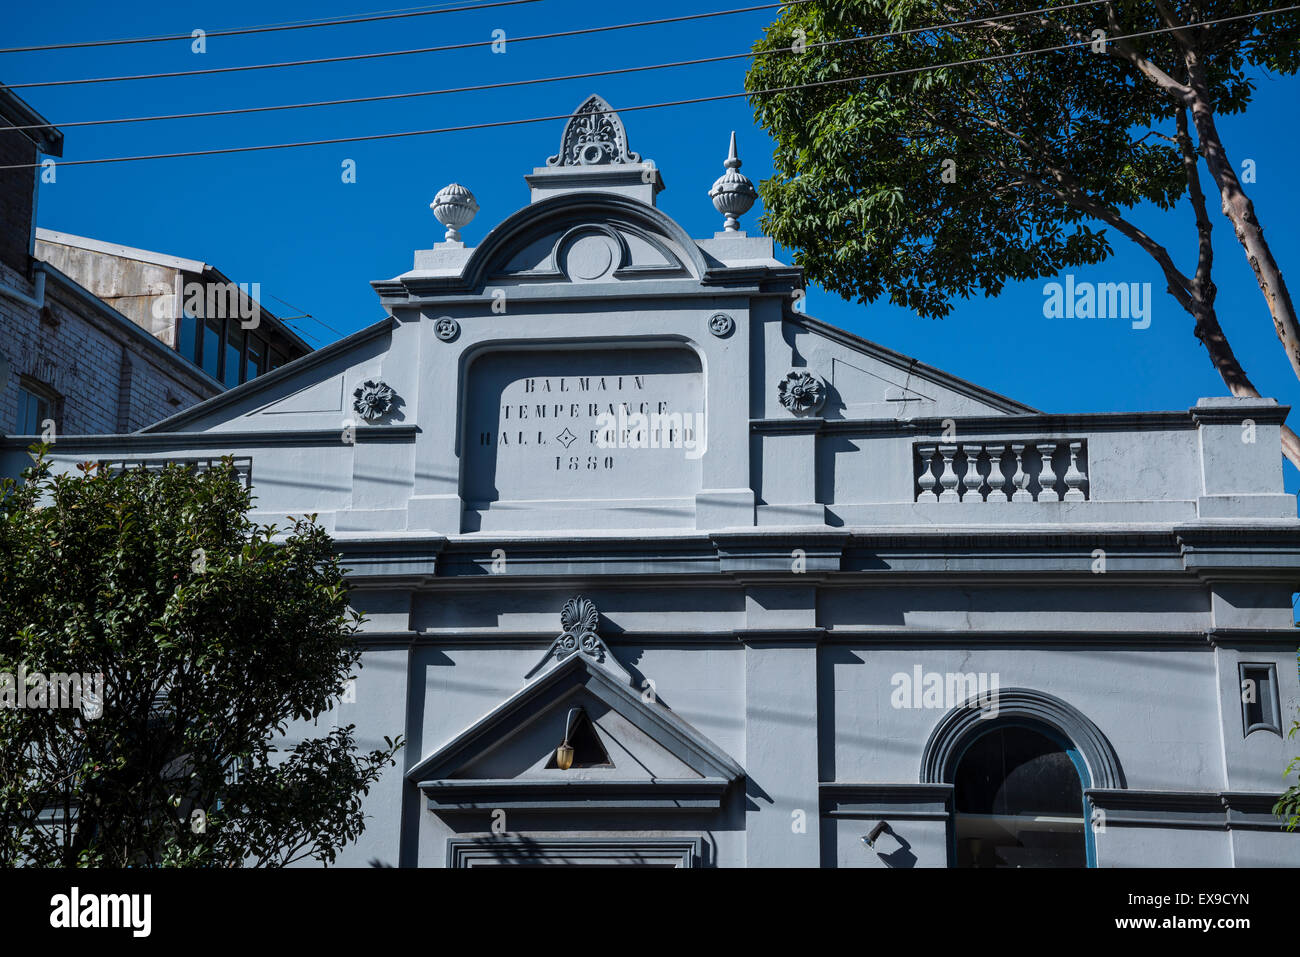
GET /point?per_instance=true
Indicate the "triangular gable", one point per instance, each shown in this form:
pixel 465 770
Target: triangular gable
pixel 313 383
pixel 658 760
pixel 871 381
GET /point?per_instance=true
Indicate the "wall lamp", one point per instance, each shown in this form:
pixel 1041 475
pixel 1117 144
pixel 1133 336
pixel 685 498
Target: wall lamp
pixel 564 753
pixel 881 828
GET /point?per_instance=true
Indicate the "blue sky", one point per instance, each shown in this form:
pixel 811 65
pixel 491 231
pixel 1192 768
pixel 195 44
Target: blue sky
pixel 286 220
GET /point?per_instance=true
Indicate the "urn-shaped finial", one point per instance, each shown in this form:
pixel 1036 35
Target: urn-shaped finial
pixel 733 194
pixel 454 207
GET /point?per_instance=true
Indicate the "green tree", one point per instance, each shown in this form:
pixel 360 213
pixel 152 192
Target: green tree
pixel 211 633
pixel 1288 805
pixel 942 180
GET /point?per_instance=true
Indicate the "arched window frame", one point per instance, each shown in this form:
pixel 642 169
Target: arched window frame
pixel 1087 747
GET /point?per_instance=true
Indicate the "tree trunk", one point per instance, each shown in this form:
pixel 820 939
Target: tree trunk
pixel 1234 376
pixel 1241 212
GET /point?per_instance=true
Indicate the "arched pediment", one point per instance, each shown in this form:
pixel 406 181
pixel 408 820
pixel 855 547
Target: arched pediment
pixel 584 237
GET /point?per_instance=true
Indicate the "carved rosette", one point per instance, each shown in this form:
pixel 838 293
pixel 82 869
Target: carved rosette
pixel 802 392
pixel 594 136
pixel 373 399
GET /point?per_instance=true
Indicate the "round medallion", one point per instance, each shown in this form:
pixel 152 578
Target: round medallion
pixel 590 257
pixel 446 328
pixel 721 324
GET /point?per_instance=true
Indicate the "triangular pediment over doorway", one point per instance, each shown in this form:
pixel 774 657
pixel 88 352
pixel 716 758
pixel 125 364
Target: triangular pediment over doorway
pixel 506 759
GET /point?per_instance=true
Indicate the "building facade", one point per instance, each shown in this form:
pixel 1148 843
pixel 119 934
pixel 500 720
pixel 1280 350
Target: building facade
pixel 218 325
pixel 658 569
pixel 101 338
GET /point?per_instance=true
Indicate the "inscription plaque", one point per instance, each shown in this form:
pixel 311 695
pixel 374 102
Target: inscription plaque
pixel 584 424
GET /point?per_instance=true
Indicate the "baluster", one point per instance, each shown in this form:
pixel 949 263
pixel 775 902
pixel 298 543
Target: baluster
pixel 983 488
pixel 969 482
pixel 996 481
pixel 948 476
pixel 1020 480
pixel 926 480
pixel 1074 477
pixel 1047 477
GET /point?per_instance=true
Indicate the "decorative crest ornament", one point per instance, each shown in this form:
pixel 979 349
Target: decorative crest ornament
pixel 579 619
pixel 594 136
pixel 454 207
pixel 733 194
pixel 373 399
pixel 802 392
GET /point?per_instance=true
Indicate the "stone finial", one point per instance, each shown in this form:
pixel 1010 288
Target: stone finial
pixel 733 194
pixel 454 207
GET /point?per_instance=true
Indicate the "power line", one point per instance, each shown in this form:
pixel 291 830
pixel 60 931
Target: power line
pixel 504 84
pixel 444 48
pixel 303 315
pixel 277 27
pixel 304 333
pixel 651 106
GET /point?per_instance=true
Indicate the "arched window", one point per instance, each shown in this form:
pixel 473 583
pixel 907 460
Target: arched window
pixel 1019 801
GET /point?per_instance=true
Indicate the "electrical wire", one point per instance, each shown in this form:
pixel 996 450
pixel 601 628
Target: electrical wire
pixel 504 84
pixel 277 27
pixel 646 106
pixel 443 48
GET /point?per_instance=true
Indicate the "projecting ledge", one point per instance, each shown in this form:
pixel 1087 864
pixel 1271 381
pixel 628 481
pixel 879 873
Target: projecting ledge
pixel 460 796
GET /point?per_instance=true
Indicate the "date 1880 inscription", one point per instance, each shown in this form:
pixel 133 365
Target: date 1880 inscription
pixel 587 424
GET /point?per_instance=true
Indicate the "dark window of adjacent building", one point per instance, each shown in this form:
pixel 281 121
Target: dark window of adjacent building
pixel 1260 709
pixel 1019 802
pixel 277 359
pixel 187 337
pixel 36 405
pixel 255 362
pixel 234 353
pixel 211 355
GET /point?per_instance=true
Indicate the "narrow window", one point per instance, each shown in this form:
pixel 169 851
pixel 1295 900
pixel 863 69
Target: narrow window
pixel 36 405
pixel 255 363
pixel 1260 710
pixel 234 353
pixel 211 356
pixel 187 337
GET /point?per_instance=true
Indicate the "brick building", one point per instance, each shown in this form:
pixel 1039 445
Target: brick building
pixel 99 338
pixel 191 306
